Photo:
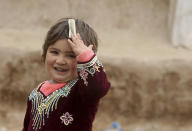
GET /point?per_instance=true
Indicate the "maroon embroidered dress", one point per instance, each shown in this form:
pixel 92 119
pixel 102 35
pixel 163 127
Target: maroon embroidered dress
pixel 72 107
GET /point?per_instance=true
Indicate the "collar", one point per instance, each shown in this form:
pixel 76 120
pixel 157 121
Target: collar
pixel 47 88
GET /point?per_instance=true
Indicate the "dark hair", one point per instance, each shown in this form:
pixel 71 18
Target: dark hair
pixel 60 31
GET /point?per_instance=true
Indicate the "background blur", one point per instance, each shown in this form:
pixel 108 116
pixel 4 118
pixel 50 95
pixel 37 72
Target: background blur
pixel 151 79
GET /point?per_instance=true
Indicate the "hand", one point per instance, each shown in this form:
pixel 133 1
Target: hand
pixel 78 45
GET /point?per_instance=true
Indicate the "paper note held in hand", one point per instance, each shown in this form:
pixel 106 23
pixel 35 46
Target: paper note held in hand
pixel 72 27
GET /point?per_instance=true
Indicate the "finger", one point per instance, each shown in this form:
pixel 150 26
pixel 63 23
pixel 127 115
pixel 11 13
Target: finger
pixel 78 36
pixel 73 38
pixel 71 43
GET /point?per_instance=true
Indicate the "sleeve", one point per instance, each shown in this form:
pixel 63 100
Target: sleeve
pixel 27 117
pixel 93 79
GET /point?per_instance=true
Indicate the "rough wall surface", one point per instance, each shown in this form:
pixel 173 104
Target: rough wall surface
pixel 140 89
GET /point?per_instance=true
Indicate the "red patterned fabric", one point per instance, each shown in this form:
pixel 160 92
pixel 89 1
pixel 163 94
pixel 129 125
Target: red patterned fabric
pixel 48 88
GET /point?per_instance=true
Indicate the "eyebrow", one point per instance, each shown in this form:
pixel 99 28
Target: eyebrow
pixel 52 48
pixel 69 52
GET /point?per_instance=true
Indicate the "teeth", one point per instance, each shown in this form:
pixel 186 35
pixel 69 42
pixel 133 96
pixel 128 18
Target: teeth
pixel 59 69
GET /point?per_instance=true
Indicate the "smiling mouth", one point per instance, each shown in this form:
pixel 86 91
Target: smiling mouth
pixel 60 69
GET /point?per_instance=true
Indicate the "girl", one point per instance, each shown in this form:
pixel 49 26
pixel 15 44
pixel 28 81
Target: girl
pixel 69 101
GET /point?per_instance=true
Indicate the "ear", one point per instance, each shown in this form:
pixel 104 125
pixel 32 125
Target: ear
pixel 90 47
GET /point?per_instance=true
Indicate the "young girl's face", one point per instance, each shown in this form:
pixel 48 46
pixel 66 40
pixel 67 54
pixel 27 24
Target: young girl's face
pixel 60 61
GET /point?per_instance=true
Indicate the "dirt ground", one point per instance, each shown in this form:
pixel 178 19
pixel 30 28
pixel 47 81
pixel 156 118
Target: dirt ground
pixel 143 66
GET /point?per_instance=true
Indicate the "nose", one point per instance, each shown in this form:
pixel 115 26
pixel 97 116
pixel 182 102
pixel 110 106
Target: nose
pixel 61 60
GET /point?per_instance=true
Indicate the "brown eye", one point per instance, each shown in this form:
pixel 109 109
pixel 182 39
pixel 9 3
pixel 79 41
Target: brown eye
pixel 71 55
pixel 54 52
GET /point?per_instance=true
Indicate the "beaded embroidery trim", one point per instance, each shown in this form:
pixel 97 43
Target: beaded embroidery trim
pixel 41 106
pixel 66 118
pixel 88 68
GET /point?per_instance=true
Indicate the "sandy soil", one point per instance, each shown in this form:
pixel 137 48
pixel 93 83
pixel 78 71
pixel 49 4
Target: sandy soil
pixel 134 41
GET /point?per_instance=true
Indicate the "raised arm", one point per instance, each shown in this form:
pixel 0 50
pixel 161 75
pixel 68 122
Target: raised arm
pixel 90 70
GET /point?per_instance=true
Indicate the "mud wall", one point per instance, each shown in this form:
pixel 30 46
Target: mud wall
pixel 150 89
pixel 142 89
